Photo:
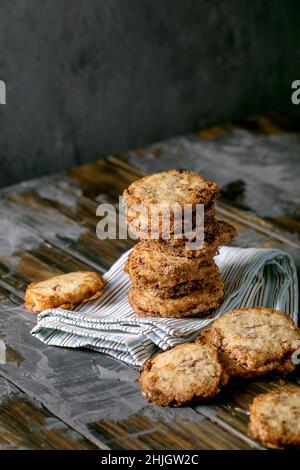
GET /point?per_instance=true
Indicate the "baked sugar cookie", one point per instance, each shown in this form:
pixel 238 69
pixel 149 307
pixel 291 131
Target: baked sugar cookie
pixel 163 197
pixel 224 235
pixel 162 224
pixel 255 341
pixel 171 187
pixel 64 291
pixel 151 268
pixel 275 418
pixel 176 377
pixel 199 303
pixel 180 289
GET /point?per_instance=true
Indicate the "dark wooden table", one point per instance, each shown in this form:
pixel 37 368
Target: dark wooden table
pixel 54 398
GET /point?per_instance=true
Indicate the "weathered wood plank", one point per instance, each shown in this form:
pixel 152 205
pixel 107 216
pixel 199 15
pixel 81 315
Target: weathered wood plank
pixel 26 425
pixel 45 213
pixel 102 179
pixel 177 434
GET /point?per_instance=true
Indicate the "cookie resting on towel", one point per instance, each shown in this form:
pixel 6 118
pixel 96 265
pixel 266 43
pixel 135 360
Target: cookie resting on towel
pixel 64 291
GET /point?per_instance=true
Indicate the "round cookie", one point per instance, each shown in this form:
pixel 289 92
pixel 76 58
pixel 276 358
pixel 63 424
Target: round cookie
pixel 164 225
pixel 275 418
pixel 225 234
pixel 255 341
pixel 198 303
pixel 180 289
pixel 150 268
pixel 171 187
pixel 64 291
pixel 178 376
pixel 164 196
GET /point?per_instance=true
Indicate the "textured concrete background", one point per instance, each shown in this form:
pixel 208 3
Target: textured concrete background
pixel 88 78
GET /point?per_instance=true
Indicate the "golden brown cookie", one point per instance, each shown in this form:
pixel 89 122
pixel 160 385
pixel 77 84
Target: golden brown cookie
pixel 209 214
pixel 180 289
pixel 163 197
pixel 235 369
pixel 224 235
pixel 171 187
pixel 187 372
pixel 199 303
pixel 275 418
pixel 255 341
pixel 149 268
pixel 156 224
pixel 64 291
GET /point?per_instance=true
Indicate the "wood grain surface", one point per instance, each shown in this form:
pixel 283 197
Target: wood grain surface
pixel 62 398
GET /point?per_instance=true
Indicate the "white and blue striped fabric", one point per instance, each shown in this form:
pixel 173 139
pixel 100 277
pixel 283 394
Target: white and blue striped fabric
pixel 252 277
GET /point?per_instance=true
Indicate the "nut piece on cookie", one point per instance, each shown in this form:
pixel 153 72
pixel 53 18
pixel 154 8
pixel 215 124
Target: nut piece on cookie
pixel 176 377
pixel 255 341
pixel 275 418
pixel 64 291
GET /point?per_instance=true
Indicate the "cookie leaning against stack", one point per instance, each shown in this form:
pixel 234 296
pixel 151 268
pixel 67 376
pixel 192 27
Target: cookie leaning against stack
pixel 170 277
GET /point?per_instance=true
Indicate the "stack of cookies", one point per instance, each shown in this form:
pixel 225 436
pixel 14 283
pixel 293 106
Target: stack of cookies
pixel 171 275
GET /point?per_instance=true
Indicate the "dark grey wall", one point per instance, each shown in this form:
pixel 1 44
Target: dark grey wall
pixel 90 77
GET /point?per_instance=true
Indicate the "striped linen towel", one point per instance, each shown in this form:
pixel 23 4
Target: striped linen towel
pixel 252 277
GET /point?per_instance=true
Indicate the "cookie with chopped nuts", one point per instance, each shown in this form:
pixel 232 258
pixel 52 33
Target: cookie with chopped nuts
pixel 255 341
pixel 163 197
pixel 224 235
pixel 163 223
pixel 180 289
pixel 187 372
pixel 64 291
pixel 198 303
pixel 172 187
pixel 275 418
pixel 150 268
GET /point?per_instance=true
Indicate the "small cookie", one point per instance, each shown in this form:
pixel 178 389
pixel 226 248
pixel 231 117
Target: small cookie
pixel 178 376
pixel 164 196
pixel 150 268
pixel 275 418
pixel 255 341
pixel 164 226
pixel 172 187
pixel 198 303
pixel 64 291
pixel 224 235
